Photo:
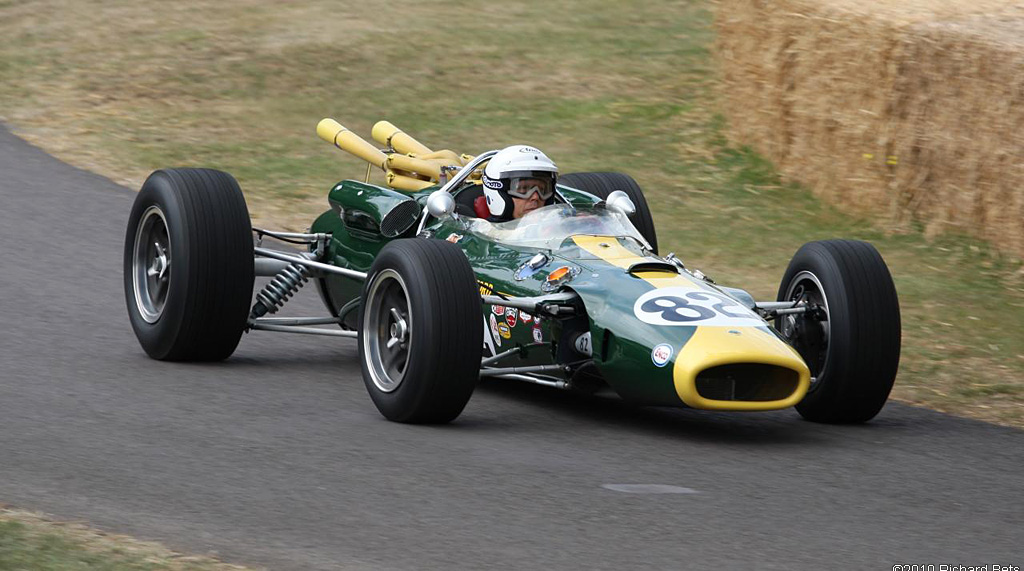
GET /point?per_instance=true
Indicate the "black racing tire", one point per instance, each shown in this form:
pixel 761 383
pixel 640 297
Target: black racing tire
pixel 420 327
pixel 188 265
pixel 601 184
pixel 852 345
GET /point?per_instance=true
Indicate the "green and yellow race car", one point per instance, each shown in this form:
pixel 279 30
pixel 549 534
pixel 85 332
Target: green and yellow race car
pixel 462 267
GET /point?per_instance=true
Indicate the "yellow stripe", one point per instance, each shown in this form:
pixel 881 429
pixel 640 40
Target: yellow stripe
pixel 610 250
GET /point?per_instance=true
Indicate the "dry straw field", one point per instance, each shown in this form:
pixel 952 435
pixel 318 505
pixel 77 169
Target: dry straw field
pixel 911 110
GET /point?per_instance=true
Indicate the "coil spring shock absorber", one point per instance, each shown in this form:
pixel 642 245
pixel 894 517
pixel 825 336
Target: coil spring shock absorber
pixel 279 290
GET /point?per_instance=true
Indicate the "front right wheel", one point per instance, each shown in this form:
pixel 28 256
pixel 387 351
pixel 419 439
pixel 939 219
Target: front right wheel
pixel 420 331
pixel 850 337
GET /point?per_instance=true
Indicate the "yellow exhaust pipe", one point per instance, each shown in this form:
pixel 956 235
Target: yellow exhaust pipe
pixel 334 133
pixel 387 134
pixel 407 183
pixel 445 156
pixel 414 167
pixel 419 166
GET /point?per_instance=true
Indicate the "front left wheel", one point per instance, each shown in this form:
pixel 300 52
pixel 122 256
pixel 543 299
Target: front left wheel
pixel 420 331
pixel 188 265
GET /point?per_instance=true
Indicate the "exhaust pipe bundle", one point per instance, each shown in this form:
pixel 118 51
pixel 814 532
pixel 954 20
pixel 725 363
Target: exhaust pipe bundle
pixel 412 168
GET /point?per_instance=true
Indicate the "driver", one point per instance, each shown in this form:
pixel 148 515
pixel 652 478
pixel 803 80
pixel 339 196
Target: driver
pixel 518 179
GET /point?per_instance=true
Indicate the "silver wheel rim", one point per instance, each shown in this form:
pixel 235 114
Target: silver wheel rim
pixel 805 286
pixel 151 264
pixel 387 330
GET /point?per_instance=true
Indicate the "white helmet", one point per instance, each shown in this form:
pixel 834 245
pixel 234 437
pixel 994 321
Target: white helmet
pixel 510 166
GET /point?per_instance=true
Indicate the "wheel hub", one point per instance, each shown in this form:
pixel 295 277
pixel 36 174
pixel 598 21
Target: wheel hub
pixel 809 333
pixel 159 265
pixel 399 329
pixel 387 330
pixel 151 264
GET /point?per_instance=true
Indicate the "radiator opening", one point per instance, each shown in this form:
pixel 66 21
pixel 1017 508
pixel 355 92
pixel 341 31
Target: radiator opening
pixel 747 382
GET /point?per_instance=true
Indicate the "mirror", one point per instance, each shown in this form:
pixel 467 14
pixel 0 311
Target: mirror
pixel 619 200
pixel 440 204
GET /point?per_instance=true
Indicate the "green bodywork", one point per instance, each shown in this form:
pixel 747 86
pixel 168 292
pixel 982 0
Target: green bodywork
pixel 621 345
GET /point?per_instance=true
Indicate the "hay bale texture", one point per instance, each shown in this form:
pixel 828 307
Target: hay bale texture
pixel 912 110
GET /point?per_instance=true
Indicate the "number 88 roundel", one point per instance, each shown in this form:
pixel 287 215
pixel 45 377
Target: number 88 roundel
pixel 685 306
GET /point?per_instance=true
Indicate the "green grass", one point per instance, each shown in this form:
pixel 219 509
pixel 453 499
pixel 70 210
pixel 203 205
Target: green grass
pixel 127 87
pixel 28 542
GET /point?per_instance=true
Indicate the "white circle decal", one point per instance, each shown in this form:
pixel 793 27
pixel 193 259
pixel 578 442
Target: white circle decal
pixel 661 354
pixel 686 306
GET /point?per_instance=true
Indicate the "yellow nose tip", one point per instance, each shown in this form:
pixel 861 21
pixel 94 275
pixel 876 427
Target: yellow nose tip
pixel 739 368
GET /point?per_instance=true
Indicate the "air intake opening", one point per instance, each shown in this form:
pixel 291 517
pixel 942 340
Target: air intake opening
pixel 400 219
pixel 747 382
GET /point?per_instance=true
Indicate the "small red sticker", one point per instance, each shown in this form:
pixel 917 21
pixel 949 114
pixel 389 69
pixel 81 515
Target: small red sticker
pixel 511 315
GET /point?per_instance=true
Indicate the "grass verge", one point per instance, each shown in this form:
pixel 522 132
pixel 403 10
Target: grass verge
pixel 31 541
pixel 123 88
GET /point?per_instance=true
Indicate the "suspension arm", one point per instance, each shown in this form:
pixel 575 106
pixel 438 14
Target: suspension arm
pixel 493 372
pixel 773 309
pixel 256 324
pixel 328 268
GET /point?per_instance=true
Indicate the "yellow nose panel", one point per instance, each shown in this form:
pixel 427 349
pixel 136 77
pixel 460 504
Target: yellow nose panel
pixel 715 346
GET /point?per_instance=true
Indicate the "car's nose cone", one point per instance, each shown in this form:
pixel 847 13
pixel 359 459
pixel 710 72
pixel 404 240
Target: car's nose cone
pixel 739 368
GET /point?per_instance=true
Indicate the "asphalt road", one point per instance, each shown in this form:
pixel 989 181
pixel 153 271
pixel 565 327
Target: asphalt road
pixel 277 457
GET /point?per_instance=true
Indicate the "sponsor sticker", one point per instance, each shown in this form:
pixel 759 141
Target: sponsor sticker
pixel 485 288
pixel 504 330
pixel 583 344
pixel 454 238
pixel 661 354
pixel 498 309
pixel 538 335
pixel 511 315
pixel 686 306
pixel 494 330
pixel 525 317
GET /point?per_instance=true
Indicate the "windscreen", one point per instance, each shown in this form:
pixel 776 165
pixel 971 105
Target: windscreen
pixel 548 227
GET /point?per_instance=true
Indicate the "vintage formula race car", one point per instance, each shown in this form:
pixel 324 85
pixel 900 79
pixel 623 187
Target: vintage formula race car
pixel 573 295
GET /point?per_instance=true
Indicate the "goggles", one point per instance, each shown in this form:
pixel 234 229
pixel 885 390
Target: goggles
pixel 525 187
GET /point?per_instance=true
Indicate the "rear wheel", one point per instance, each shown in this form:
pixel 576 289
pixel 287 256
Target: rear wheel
pixel 419 331
pixel 601 184
pixel 188 265
pixel 851 338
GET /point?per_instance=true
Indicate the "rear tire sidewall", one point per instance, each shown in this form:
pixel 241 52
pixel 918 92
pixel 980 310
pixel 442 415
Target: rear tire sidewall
pixel 209 291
